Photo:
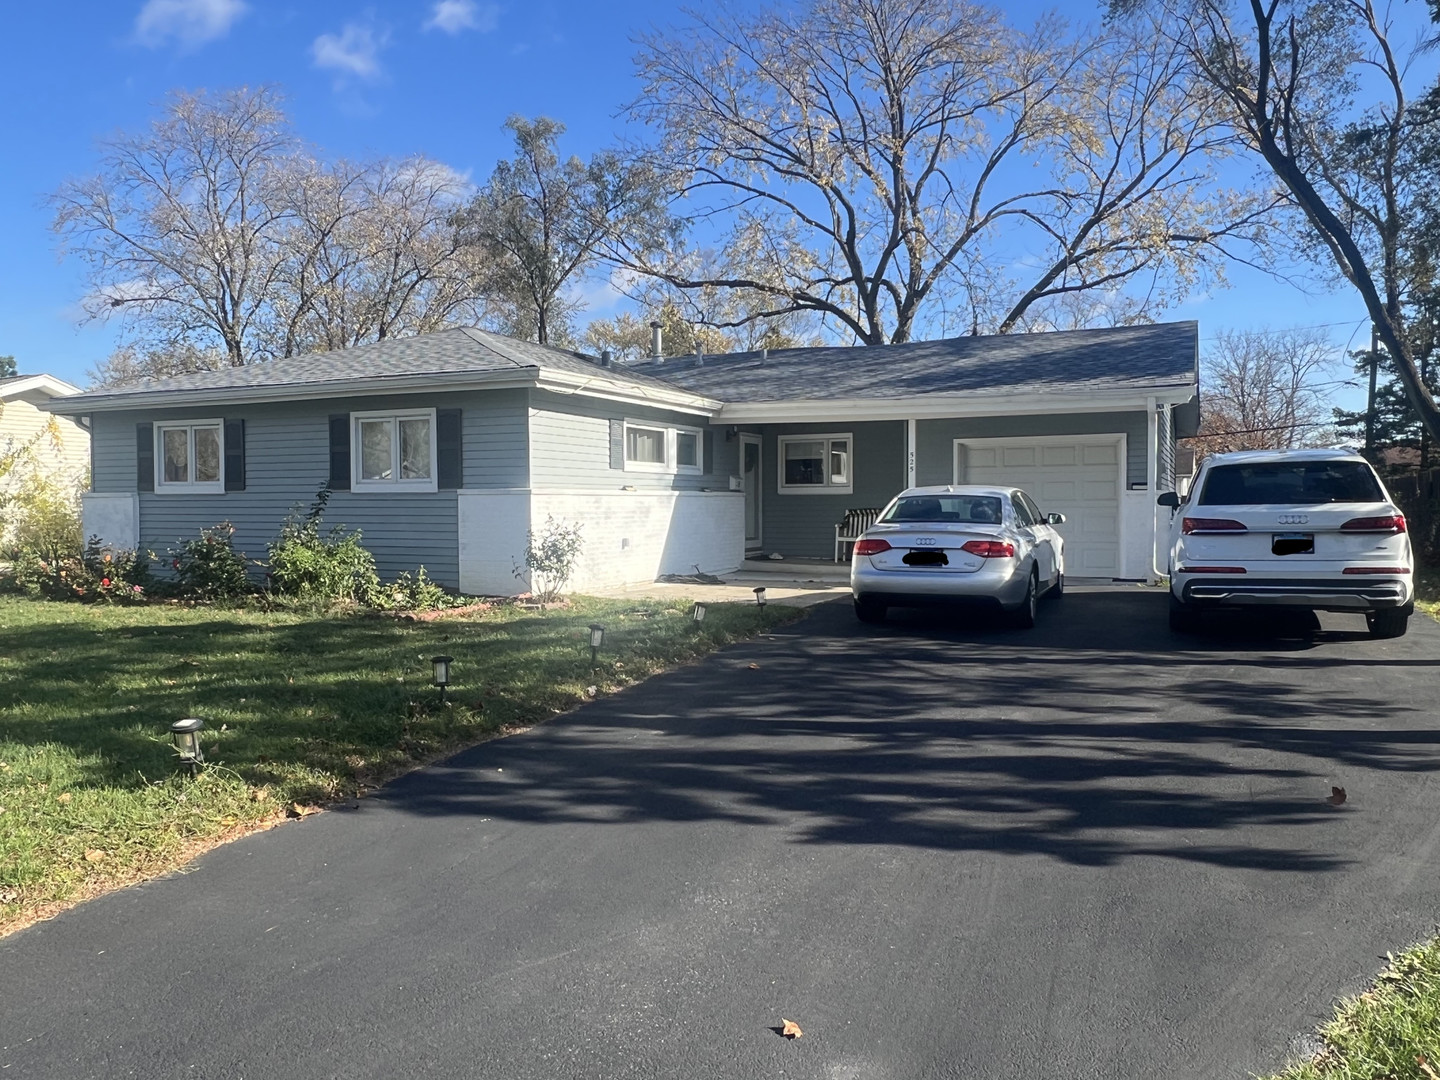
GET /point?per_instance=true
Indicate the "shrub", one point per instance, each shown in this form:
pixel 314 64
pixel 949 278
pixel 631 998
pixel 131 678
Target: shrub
pixel 42 517
pixel 97 573
pixel 209 567
pixel 321 567
pixel 417 593
pixel 550 556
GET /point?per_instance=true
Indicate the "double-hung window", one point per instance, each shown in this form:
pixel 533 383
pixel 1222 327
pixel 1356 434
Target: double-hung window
pixel 393 451
pixel 815 463
pixel 190 457
pixel 664 449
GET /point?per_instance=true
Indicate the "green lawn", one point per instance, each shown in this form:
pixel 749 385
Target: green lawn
pixel 1427 592
pixel 300 709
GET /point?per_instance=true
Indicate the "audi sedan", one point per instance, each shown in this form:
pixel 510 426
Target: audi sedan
pixel 958 545
pixel 1301 529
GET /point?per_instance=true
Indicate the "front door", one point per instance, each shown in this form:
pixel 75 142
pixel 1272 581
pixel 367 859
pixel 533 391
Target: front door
pixel 750 470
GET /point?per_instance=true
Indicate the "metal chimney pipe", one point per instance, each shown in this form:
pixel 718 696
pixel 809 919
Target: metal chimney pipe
pixel 656 350
pixel 606 357
pixel 699 355
pixel 764 356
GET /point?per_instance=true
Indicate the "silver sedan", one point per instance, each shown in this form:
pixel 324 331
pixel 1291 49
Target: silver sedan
pixel 954 545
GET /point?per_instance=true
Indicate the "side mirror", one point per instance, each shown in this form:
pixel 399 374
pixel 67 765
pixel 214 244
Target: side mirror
pixel 1170 499
pixel 1054 519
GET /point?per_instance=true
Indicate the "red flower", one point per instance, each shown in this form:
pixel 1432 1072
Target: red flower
pixel 104 582
pixel 175 564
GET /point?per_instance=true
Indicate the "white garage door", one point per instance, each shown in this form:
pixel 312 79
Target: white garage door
pixel 1079 478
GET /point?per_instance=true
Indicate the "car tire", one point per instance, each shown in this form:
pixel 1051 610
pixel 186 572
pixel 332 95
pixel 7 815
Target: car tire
pixel 868 611
pixel 1023 617
pixel 1390 623
pixel 1183 619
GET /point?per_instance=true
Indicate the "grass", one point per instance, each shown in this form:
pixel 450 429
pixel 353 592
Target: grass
pixel 300 709
pixel 1390 1032
pixel 1427 592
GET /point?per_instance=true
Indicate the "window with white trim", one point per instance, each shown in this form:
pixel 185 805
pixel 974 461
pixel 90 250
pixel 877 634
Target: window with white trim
pixel 393 451
pixel 816 463
pixel 190 457
pixel 664 449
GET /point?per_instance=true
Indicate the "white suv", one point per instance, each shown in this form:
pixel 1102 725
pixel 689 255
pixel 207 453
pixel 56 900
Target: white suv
pixel 1310 529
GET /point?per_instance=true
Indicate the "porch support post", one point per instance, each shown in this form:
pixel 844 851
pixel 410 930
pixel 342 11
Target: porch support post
pixel 1152 476
pixel 910 453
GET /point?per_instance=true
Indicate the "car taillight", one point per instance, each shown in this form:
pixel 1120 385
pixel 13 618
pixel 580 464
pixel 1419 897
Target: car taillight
pixel 871 547
pixel 1390 523
pixel 989 549
pixel 1376 570
pixel 1211 570
pixel 1211 525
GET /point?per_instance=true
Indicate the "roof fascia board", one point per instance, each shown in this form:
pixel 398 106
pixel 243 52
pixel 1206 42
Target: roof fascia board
pixel 935 406
pixel 49 383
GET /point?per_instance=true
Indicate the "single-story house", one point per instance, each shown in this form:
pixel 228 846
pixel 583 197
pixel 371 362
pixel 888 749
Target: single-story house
pixel 447 449
pixel 59 446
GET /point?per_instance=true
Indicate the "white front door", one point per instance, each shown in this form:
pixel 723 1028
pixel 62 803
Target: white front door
pixel 750 471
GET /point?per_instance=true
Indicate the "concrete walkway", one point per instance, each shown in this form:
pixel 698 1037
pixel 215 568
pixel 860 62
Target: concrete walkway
pixel 792 583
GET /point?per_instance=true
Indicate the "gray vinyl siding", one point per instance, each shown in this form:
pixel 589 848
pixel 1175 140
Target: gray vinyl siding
pixel 287 458
pixel 935 439
pixel 1165 457
pixel 570 446
pixel 803 525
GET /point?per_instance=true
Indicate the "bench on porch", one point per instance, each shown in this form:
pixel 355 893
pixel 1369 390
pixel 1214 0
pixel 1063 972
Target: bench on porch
pixel 852 526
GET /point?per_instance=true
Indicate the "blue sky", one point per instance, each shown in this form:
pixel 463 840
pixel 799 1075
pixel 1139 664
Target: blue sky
pixel 395 77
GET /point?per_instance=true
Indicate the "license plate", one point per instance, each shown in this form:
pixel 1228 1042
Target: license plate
pixel 926 558
pixel 1293 544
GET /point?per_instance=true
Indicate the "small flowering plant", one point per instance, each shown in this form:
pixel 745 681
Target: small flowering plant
pixel 97 573
pixel 209 568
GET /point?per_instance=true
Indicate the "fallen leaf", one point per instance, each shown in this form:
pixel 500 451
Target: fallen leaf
pixel 1427 1067
pixel 790 1029
pixel 297 810
pixel 65 797
pixel 8 896
pixel 94 855
pixel 591 691
pixel 754 667
pixel 1337 796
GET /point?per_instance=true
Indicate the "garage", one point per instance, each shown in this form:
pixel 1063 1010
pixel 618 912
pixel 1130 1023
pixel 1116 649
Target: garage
pixel 1077 476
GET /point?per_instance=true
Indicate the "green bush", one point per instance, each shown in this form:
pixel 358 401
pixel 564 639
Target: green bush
pixel 321 567
pixel 97 573
pixel 209 567
pixel 42 518
pixel 417 593
pixel 550 556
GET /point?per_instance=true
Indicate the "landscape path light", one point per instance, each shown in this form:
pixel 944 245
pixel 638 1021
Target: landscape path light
pixel 597 639
pixel 441 665
pixel 185 735
pixel 698 612
pixel 759 592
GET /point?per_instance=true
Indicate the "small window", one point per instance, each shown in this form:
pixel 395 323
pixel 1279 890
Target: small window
pixel 645 446
pixel 394 451
pixel 818 463
pixel 656 448
pixel 190 456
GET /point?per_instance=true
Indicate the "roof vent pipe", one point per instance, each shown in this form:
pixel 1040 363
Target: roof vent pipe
pixel 606 357
pixel 656 352
pixel 699 356
pixel 764 356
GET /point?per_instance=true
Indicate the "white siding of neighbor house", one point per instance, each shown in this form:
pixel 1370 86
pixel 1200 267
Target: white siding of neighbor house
pixel 60 445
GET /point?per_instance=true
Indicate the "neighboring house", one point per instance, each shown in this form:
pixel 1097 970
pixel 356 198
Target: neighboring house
pixel 59 446
pixel 446 449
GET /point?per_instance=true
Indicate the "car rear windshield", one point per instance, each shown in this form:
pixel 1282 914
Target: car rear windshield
pixel 1292 482
pixel 976 509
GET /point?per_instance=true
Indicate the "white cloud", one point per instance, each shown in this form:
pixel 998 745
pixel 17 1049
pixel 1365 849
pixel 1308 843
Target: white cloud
pixel 188 22
pixel 354 51
pixel 455 16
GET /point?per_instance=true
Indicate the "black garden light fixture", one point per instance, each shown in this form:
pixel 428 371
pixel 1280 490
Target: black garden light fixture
pixel 597 640
pixel 759 592
pixel 697 613
pixel 441 676
pixel 185 735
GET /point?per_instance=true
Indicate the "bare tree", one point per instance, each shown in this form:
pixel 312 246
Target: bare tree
pixel 1266 390
pixel 1318 91
pixel 871 160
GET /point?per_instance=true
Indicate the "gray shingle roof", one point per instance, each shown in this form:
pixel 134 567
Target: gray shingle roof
pixel 1116 358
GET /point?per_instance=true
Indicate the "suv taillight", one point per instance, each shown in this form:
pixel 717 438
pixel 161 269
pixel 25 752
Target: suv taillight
pixel 871 547
pixel 1211 525
pixel 1390 523
pixel 989 549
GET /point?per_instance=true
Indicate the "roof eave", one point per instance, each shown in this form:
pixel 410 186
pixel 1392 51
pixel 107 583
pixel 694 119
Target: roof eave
pixel 924 406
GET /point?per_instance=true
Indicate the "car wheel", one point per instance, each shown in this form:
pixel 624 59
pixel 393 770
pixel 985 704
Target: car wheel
pixel 1390 623
pixel 1183 619
pixel 868 611
pixel 1023 617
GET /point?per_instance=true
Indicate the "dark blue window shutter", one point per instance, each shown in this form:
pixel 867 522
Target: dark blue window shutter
pixel 234 455
pixel 617 444
pixel 449 450
pixel 709 460
pixel 144 457
pixel 340 452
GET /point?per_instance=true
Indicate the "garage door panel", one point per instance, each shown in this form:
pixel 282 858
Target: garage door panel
pixel 1079 480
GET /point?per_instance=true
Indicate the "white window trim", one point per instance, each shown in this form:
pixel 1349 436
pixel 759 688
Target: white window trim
pixel 826 488
pixel 671 465
pixel 430 483
pixel 206 487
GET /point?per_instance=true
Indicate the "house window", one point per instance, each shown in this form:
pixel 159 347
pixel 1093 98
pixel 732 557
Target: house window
pixel 393 450
pixel 190 457
pixel 815 463
pixel 655 448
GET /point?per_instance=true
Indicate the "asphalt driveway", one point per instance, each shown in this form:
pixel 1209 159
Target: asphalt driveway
pixel 1089 850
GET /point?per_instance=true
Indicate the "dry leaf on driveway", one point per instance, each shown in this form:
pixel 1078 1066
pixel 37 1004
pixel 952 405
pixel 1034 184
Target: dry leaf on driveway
pixel 1337 796
pixel 790 1029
